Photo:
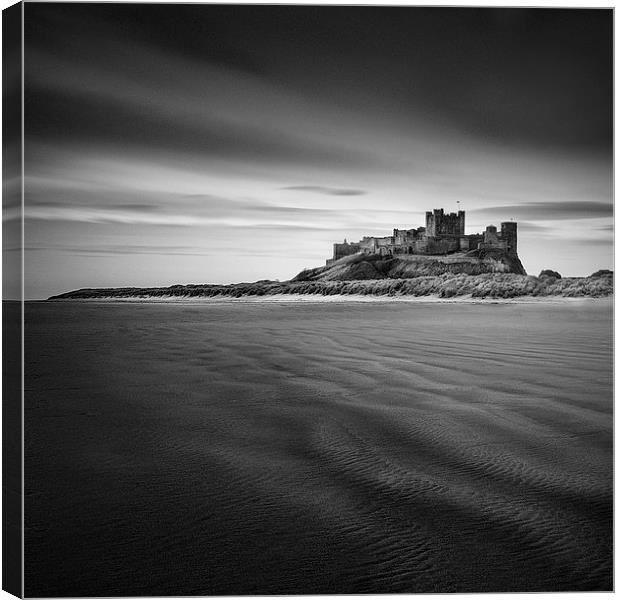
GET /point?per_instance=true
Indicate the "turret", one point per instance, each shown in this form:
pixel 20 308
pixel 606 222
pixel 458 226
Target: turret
pixel 490 235
pixel 509 235
pixel 461 229
pixel 430 224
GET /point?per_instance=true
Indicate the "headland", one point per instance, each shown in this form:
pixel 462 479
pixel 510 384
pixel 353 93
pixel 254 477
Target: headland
pixel 438 260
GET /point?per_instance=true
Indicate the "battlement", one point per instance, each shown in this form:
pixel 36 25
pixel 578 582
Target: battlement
pixel 444 234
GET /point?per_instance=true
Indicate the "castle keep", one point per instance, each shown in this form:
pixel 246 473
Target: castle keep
pixel 444 234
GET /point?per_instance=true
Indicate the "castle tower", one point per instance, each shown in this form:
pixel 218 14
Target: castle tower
pixel 432 218
pixel 438 223
pixel 509 235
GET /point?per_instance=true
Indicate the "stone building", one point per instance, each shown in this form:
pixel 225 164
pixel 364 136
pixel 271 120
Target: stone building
pixel 444 234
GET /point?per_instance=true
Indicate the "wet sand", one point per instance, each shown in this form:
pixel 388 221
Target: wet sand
pixel 318 448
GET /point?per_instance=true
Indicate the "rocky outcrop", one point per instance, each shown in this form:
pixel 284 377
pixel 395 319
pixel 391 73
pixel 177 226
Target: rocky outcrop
pixel 374 266
pixel 603 273
pixel 550 273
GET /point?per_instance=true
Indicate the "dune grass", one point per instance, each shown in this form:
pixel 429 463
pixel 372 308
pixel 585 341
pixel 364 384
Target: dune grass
pixel 447 285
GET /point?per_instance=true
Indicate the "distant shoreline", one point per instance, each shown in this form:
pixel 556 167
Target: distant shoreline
pixel 445 287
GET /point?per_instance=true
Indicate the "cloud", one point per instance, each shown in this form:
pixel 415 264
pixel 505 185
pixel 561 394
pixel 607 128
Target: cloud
pixel 549 211
pixel 34 204
pixel 541 76
pixel 108 215
pixel 293 227
pixel 593 241
pixel 122 249
pixel 329 191
pixel 526 226
pixel 106 191
pixel 74 118
pixel 184 211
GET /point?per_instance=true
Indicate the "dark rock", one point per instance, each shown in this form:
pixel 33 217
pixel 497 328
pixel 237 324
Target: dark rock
pixel 603 273
pixel 550 273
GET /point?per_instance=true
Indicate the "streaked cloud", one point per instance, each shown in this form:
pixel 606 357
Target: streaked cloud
pixel 527 227
pixel 123 249
pixel 604 242
pixel 550 211
pixel 328 191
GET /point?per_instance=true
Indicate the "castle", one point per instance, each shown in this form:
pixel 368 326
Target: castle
pixel 444 234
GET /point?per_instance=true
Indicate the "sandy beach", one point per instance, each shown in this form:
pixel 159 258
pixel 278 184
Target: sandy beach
pixel 283 447
pixel 342 298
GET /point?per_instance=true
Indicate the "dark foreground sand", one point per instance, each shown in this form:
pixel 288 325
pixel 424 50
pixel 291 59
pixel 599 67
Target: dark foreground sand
pixel 276 448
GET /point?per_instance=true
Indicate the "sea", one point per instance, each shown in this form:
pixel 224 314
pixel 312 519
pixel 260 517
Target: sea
pixel 221 448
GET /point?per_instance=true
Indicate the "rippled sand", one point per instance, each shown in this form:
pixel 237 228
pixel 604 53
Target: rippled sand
pixel 308 448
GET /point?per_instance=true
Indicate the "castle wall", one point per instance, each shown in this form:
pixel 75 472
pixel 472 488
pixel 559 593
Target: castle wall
pixel 403 237
pixel 372 245
pixel 342 250
pixel 442 245
pixel 501 244
pixel 470 242
pixel 421 245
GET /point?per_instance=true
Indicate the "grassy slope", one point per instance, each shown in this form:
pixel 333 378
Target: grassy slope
pixel 362 266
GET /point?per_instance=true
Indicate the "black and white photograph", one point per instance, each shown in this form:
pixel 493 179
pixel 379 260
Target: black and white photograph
pixel 307 299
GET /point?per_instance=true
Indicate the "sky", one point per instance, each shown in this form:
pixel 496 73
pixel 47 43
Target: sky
pixel 170 144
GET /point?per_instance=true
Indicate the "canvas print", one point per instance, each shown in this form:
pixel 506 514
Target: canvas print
pixel 315 299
